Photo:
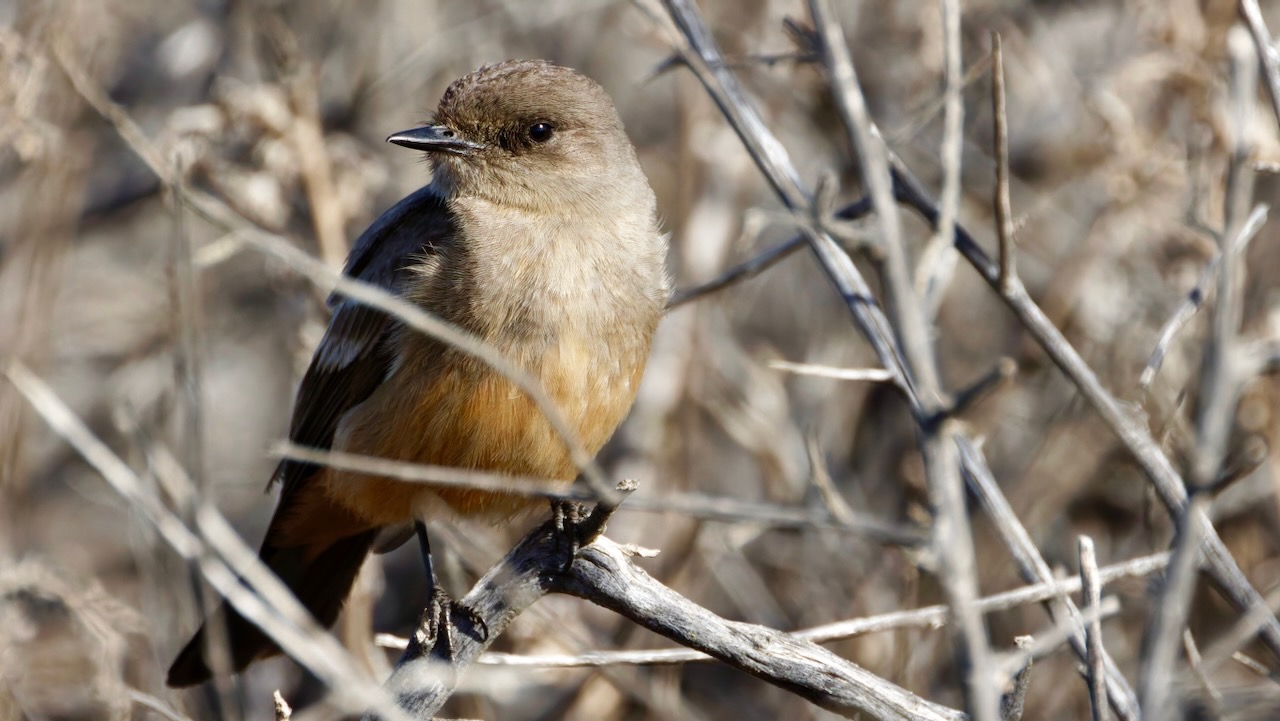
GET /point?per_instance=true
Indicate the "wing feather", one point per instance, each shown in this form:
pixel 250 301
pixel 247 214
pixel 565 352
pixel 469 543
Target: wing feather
pixel 355 356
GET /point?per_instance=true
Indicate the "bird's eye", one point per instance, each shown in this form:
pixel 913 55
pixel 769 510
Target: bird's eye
pixel 541 131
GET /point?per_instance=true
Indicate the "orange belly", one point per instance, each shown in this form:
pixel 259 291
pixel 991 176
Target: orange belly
pixel 457 412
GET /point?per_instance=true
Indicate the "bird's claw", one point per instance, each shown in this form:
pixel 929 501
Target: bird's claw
pixel 437 624
pixel 566 519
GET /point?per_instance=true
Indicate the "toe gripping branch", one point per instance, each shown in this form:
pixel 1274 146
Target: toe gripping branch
pixel 573 527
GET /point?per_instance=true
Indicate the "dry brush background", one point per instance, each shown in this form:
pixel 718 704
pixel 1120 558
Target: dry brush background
pixel 163 331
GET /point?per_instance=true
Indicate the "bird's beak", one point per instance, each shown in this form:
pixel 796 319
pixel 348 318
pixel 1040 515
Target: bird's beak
pixel 434 139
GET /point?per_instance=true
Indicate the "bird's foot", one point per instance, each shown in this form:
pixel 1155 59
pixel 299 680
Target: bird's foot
pixel 437 627
pixel 567 517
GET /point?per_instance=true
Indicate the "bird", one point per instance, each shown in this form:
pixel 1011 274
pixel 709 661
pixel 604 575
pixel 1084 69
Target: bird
pixel 538 233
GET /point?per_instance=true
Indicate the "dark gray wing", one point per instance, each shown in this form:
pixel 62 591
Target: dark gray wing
pixel 354 356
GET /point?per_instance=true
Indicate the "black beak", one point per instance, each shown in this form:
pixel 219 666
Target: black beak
pixel 434 139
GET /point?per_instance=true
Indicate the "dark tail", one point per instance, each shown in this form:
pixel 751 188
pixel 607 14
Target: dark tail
pixel 320 578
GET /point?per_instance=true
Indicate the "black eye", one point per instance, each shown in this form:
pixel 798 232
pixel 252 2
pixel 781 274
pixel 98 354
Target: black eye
pixel 541 131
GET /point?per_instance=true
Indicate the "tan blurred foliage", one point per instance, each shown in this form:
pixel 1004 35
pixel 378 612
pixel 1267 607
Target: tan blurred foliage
pixel 1118 146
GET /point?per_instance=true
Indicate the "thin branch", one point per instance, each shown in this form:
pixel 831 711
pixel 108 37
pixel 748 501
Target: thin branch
pixel 952 537
pixel 604 574
pixel 747 269
pixel 1253 665
pixel 698 51
pixel 1197 667
pixel 873 158
pixel 1265 47
pixel 265 600
pixel 1191 304
pixel 1034 569
pixel 1219 393
pixel 148 701
pixel 186 329
pixel 1049 642
pixel 306 134
pixel 1013 703
pixel 1003 207
pixel 931 617
pixel 820 477
pixel 876 375
pixel 715 508
pixel 938 261
pixel 1131 431
pixel 969 396
pixel 920 116
pixel 1240 633
pixel 1092 597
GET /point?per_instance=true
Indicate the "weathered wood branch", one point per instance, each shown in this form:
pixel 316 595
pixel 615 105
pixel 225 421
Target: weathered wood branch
pixel 603 573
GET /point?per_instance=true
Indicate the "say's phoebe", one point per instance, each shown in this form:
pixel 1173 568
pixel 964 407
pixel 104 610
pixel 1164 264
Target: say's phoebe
pixel 539 234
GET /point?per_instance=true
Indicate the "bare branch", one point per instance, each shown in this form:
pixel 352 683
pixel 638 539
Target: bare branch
pixel 306 134
pixel 938 262
pixel 1130 430
pixel 1048 642
pixel 698 51
pixel 717 508
pixel 1034 568
pixel 146 700
pixel 265 600
pixel 1003 207
pixel 1092 597
pixel 1197 666
pixel 747 269
pixel 927 617
pixel 877 375
pixel 1253 665
pixel 1191 304
pixel 1241 632
pixel 1265 46
pixel 604 574
pixel 1011 706
pixel 767 259
pixel 967 397
pixel 1219 393
pixel 952 538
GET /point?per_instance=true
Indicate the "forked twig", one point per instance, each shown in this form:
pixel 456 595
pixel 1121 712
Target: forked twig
pixel 1219 393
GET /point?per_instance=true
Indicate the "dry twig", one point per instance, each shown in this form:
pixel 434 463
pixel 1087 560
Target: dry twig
pixel 938 261
pixel 1003 208
pixel 1219 393
pixel 1092 596
pixel 604 574
pixel 927 617
pixel 1191 304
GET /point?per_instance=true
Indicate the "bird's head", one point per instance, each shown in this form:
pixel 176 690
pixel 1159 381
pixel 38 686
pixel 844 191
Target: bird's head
pixel 526 132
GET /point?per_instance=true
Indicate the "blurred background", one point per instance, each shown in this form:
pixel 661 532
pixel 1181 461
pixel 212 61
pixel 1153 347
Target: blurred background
pixel 161 330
